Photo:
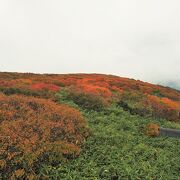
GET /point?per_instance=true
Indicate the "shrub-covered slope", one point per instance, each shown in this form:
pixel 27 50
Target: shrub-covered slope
pixel 134 96
pixel 42 128
pixel 118 149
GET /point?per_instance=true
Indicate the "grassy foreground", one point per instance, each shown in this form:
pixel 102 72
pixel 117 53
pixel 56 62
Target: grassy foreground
pixel 117 149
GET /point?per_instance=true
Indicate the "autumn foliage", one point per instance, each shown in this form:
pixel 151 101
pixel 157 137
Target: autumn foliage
pixel 42 86
pixel 86 100
pixel 35 131
pixel 147 98
pixel 164 107
pixel 152 130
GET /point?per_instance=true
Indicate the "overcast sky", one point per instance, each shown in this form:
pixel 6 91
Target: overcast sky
pixel 133 38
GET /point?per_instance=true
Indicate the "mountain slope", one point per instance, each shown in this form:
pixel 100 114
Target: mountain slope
pixel 135 96
pixel 44 132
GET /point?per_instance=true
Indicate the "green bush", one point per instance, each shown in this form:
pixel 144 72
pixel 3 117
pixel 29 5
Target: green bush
pixel 135 103
pixel 84 100
pixel 157 93
pixel 42 94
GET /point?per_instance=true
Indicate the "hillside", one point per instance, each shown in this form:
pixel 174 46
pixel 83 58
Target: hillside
pixel 85 126
pixel 136 96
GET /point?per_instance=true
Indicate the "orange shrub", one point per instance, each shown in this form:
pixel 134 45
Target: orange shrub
pixel 35 131
pixel 96 90
pixel 171 104
pixel 152 130
pixel 164 107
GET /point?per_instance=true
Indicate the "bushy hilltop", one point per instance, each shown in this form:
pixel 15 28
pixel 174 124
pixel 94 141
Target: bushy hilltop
pixel 137 97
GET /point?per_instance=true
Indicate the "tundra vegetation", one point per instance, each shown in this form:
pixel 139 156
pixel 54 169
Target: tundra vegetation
pixel 86 126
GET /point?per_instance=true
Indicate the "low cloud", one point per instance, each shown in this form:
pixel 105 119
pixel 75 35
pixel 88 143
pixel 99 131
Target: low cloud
pixel 138 39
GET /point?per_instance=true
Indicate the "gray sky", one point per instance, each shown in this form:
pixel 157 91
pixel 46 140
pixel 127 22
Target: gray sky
pixel 132 38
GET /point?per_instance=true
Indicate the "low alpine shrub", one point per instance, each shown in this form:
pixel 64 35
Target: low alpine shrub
pixel 34 132
pixel 86 100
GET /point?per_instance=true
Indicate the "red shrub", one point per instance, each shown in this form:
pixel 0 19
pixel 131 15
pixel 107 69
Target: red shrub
pixel 97 90
pixel 42 86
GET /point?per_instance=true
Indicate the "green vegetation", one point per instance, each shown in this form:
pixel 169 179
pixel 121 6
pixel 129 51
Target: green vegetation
pixel 118 149
pixel 41 94
pixel 157 93
pixel 83 100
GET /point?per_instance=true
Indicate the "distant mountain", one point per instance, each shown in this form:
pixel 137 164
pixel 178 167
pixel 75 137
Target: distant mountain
pixel 175 84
